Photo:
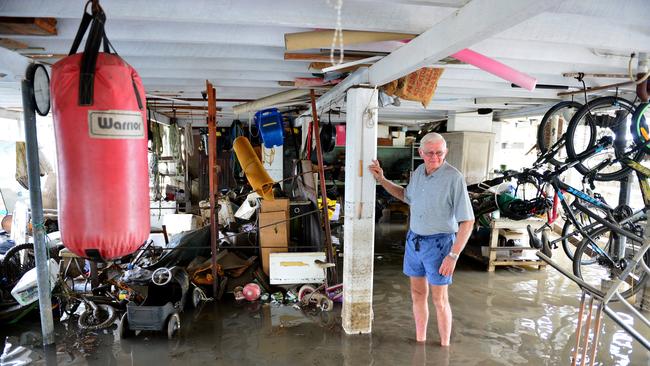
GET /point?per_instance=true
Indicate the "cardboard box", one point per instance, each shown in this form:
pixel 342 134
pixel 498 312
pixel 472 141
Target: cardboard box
pixel 274 229
pixel 387 141
pixel 278 204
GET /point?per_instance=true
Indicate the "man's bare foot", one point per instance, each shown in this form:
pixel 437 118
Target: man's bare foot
pixel 444 344
pixel 421 340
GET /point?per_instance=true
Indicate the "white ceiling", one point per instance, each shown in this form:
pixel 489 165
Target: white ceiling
pixel 239 45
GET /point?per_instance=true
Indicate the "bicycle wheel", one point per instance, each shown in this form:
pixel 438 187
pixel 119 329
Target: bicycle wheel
pixel 571 237
pixel 17 261
pixel 601 269
pixel 598 118
pixel 553 127
pixel 639 127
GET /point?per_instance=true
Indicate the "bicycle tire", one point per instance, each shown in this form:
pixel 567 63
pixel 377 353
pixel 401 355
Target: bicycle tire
pixel 87 320
pixel 639 127
pixel 568 242
pixel 571 236
pixel 14 267
pixel 543 142
pixel 585 116
pixel 593 274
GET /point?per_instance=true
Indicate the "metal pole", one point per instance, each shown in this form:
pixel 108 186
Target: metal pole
pixel 597 329
pixel 331 257
pixel 579 329
pixel 214 180
pixel 618 249
pixel 585 348
pixel 33 174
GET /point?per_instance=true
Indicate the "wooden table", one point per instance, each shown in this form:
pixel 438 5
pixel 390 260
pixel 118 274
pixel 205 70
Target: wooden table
pixel 503 223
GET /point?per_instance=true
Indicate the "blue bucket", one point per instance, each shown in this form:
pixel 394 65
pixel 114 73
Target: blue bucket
pixel 269 122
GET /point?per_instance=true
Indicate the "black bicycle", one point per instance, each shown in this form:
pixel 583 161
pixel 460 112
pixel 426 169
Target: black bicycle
pixel 608 244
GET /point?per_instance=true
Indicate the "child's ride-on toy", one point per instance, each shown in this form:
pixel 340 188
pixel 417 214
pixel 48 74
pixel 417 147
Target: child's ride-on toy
pixel 164 301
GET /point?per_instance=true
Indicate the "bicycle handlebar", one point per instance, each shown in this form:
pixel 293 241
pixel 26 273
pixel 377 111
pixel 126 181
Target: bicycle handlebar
pixel 548 175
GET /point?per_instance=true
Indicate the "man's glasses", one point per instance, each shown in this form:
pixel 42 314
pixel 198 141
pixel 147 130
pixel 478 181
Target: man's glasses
pixel 431 154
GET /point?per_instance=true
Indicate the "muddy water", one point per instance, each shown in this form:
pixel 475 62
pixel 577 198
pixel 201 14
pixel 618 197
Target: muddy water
pixel 509 317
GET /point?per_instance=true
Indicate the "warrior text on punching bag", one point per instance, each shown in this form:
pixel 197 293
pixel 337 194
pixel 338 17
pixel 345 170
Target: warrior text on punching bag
pixel 98 104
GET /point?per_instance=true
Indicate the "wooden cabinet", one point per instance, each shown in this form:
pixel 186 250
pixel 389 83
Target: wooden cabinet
pixel 471 153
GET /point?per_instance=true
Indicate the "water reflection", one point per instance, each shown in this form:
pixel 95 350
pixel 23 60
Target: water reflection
pixel 505 317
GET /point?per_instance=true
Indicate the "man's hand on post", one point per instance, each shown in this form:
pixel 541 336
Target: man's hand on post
pixel 376 171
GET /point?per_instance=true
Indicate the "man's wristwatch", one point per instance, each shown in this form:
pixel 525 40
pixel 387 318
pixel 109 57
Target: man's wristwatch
pixel 453 255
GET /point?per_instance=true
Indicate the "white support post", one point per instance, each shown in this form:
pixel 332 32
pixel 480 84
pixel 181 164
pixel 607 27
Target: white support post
pixel 359 228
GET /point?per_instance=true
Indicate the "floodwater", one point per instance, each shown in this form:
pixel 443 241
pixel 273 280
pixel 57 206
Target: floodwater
pixel 509 317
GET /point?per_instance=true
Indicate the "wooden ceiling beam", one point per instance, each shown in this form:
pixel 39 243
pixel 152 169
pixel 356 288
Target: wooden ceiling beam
pixel 12 44
pixel 203 100
pixel 323 38
pixel 28 26
pixel 169 107
pixel 323 57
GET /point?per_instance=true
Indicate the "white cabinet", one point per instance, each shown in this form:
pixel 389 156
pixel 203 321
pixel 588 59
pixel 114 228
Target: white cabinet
pixel 471 153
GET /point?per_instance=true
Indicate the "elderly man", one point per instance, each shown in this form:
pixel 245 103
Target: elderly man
pixel 439 208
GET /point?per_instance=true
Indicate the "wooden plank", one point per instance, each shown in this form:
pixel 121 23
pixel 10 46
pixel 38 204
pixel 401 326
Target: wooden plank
pixel 323 38
pixel 12 44
pixel 597 88
pixel 28 26
pixel 319 66
pixel 201 99
pixel 521 262
pixel 322 57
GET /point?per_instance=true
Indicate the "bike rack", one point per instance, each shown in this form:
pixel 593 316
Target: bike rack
pixel 591 295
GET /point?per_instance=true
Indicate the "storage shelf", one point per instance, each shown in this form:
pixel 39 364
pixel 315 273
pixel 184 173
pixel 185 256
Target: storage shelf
pixel 491 261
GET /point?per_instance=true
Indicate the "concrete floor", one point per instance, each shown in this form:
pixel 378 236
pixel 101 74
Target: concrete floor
pixel 509 317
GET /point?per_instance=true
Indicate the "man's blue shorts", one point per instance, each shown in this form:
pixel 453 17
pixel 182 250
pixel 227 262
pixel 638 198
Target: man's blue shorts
pixel 424 255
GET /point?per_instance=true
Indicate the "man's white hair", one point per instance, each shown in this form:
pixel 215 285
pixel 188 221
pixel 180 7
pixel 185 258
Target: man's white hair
pixel 432 137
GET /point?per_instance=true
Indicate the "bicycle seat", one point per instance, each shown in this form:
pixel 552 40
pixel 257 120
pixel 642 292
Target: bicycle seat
pixel 323 265
pixel 534 241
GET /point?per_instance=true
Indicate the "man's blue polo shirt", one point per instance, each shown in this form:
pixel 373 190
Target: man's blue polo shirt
pixel 439 201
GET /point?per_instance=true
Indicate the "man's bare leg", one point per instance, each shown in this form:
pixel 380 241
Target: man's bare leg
pixel 419 296
pixel 440 299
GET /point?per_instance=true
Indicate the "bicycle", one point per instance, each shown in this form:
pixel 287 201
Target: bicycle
pixel 605 116
pixel 600 246
pixel 551 132
pixel 324 295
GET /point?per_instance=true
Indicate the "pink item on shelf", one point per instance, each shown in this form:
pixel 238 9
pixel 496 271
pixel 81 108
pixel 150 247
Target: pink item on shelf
pixel 497 68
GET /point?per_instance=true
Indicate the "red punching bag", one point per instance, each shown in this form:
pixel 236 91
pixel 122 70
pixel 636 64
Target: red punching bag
pixel 100 126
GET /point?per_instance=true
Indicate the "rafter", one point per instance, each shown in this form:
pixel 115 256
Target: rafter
pixel 474 22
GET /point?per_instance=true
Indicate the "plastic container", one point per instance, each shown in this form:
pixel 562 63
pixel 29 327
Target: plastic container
pixel 26 290
pixel 269 122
